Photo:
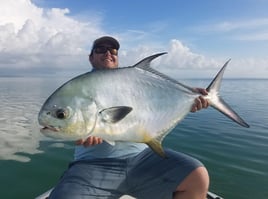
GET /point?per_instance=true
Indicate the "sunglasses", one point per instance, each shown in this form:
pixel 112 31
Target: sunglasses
pixel 104 49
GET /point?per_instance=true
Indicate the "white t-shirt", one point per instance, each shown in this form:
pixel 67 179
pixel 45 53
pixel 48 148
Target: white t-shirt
pixel 119 150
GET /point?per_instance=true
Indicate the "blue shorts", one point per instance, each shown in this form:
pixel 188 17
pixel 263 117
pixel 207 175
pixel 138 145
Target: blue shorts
pixel 143 176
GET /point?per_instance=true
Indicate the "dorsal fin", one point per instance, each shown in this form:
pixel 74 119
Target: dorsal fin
pixel 145 65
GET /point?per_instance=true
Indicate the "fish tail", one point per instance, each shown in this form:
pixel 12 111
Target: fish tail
pixel 218 103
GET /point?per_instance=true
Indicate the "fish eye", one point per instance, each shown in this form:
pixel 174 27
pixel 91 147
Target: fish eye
pixel 61 113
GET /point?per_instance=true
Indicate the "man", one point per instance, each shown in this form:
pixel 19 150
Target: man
pixel 108 172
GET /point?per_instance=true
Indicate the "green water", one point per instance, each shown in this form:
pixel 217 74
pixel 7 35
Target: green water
pixel 30 179
pixel 236 157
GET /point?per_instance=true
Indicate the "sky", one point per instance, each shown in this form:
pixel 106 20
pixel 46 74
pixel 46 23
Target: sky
pixel 48 37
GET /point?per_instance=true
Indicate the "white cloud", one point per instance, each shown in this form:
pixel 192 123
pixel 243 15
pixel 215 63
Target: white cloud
pixel 177 61
pixel 181 56
pixel 32 37
pixel 246 30
pixel 245 24
pixel 39 40
pixel 226 26
pixel 16 12
pixel 249 68
pixel 256 36
pixel 182 62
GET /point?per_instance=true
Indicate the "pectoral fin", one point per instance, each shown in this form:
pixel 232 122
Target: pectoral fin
pixel 115 114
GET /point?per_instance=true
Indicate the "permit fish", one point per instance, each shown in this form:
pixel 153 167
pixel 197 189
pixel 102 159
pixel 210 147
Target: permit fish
pixel 132 104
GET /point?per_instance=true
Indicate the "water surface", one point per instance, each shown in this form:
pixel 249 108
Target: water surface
pixel 236 157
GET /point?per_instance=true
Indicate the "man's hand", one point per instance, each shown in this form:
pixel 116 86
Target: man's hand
pixel 90 141
pixel 200 102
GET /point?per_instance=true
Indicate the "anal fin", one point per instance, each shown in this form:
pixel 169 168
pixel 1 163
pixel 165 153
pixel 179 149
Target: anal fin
pixel 156 146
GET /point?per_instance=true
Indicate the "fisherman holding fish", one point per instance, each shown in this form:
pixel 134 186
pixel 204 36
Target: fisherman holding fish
pixel 102 170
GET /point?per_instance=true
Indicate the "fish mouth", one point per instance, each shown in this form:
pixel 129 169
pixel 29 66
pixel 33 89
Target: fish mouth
pixel 49 128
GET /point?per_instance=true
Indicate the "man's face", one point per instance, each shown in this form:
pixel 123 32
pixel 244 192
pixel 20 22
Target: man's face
pixel 104 57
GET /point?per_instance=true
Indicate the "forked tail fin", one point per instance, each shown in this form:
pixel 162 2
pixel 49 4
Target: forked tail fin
pixel 218 103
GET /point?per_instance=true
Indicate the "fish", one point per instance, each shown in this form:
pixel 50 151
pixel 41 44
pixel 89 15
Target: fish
pixel 131 104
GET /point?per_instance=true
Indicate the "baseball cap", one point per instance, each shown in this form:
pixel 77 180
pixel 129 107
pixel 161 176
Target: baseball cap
pixel 106 39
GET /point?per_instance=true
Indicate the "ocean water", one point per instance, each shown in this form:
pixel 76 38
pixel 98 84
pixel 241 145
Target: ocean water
pixel 236 157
